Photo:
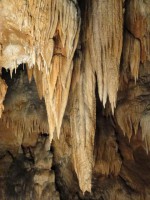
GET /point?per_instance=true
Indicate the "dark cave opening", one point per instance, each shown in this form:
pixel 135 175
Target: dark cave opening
pixel 22 106
pixel 6 73
pixel 18 84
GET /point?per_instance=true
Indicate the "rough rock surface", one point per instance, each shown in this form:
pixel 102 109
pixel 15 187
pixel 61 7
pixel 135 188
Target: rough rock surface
pixel 80 76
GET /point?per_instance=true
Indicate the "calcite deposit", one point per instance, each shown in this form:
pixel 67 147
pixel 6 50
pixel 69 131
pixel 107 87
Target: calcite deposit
pixel 74 99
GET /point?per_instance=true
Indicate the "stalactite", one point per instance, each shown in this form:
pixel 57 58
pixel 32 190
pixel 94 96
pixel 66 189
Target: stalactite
pixel 82 119
pixel 46 40
pixel 101 55
pixel 30 73
pixel 137 24
pixel 23 128
pixel 131 54
pixel 128 118
pixel 136 53
pixel 105 49
pixel 47 37
pixel 38 79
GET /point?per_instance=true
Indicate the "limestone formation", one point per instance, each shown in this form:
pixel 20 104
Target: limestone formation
pixel 77 73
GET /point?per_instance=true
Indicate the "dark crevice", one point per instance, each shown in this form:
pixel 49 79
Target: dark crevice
pixel 7 77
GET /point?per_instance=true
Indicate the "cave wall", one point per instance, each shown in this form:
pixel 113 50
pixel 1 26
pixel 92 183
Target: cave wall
pixel 86 85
